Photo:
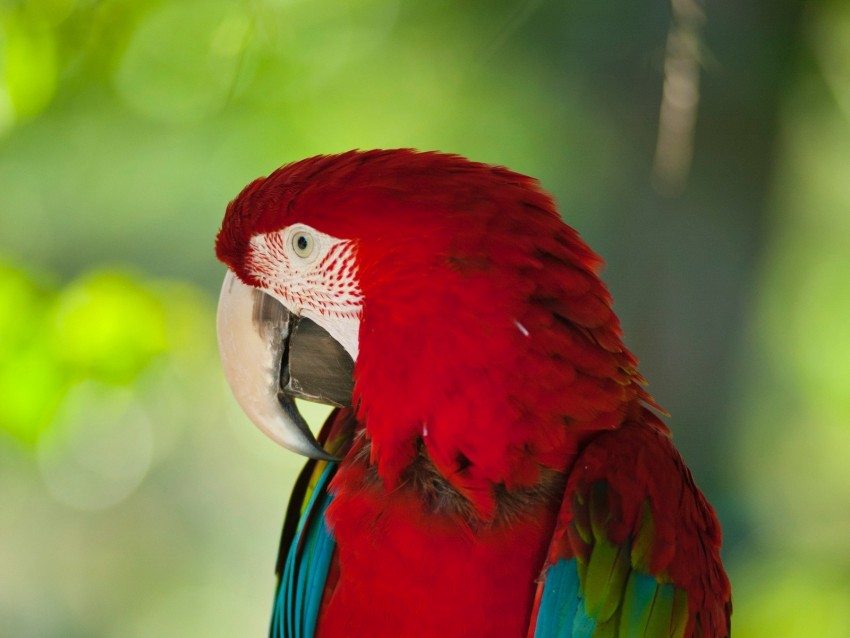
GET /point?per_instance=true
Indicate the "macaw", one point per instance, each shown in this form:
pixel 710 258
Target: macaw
pixel 494 466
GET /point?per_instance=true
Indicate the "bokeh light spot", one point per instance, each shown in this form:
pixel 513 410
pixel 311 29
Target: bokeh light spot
pixel 192 80
pixel 109 326
pixel 31 380
pixel 28 58
pixel 99 449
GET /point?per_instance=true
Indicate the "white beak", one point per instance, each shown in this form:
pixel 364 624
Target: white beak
pixel 253 328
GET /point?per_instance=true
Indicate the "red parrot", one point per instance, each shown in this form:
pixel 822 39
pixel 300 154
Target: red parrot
pixel 495 466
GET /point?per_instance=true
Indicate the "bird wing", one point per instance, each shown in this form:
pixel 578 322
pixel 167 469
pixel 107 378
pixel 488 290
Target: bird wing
pixel 306 544
pixel 635 550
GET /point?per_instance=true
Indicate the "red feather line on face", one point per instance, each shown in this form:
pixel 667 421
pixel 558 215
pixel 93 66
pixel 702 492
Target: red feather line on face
pixel 485 331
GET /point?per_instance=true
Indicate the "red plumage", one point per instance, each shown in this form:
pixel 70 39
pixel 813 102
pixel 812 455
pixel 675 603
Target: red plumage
pixel 640 467
pixel 430 576
pixel 488 348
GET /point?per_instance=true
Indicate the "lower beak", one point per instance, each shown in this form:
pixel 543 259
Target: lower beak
pixel 271 356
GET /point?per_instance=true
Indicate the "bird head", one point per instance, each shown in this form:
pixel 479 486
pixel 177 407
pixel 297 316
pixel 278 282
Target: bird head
pixel 446 301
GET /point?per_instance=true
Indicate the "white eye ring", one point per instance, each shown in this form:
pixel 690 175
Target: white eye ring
pixel 303 244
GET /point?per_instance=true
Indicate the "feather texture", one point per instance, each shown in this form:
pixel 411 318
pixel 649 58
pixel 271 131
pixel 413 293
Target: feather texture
pixel 505 475
pixel 306 567
pixel 307 545
pixel 643 540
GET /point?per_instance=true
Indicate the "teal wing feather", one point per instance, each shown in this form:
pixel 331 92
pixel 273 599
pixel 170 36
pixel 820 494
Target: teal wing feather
pixel 305 569
pixel 636 548
pixel 562 613
pixel 307 544
pixel 598 589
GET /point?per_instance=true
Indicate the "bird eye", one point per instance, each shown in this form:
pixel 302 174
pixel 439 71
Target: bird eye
pixel 302 244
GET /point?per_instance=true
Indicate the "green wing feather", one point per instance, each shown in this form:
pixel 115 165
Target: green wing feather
pixel 611 596
pixel 635 552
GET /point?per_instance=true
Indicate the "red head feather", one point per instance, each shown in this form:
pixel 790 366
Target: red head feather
pixel 485 330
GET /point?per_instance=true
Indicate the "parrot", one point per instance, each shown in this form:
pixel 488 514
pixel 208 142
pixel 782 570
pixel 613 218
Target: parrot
pixel 493 464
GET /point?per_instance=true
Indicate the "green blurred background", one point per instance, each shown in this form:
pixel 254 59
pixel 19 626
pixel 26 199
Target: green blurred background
pixel 703 151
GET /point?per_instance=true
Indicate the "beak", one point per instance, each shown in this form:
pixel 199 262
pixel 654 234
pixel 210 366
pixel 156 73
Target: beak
pixel 271 356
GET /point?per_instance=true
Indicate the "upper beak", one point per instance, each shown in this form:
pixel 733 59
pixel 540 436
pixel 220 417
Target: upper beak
pixel 271 356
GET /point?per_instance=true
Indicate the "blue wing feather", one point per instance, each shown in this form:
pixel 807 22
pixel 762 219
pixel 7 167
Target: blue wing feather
pixel 646 607
pixel 600 591
pixel 305 569
pixel 306 544
pixel 321 563
pixel 561 613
